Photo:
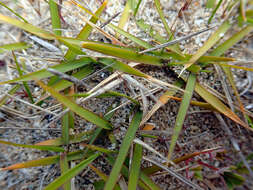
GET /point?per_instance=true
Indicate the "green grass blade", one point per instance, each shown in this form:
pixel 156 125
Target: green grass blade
pixel 144 182
pixel 212 40
pixel 102 175
pixel 71 119
pixel 43 73
pixel 67 120
pixel 65 128
pixel 71 173
pixel 44 161
pixel 210 3
pixel 165 24
pixel 214 11
pixel 14 46
pixel 123 151
pixel 84 72
pixel 151 31
pixel 137 7
pixel 84 113
pixel 124 53
pixel 135 167
pixel 120 66
pixel 55 17
pixel 130 54
pixel 34 163
pixel 182 112
pixel 74 47
pixel 14 12
pixel 131 37
pixel 38 147
pixel 27 89
pixel 64 168
pixel 148 182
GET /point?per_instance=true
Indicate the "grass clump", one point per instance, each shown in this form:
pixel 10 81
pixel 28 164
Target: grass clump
pixel 85 59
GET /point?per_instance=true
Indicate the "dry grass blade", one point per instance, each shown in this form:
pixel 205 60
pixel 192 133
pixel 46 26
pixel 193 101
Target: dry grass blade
pixel 173 173
pixel 114 40
pixel 125 15
pixel 162 101
pixel 145 145
pixel 217 104
pixel 153 169
pixel 31 105
pixel 85 32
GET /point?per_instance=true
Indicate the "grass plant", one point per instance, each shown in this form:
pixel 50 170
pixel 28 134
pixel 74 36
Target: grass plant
pixel 120 60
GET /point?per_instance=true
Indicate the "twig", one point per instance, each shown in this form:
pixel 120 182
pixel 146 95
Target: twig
pixel 43 43
pixel 175 41
pixel 145 145
pixel 17 113
pixel 109 20
pixel 29 128
pixel 173 173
